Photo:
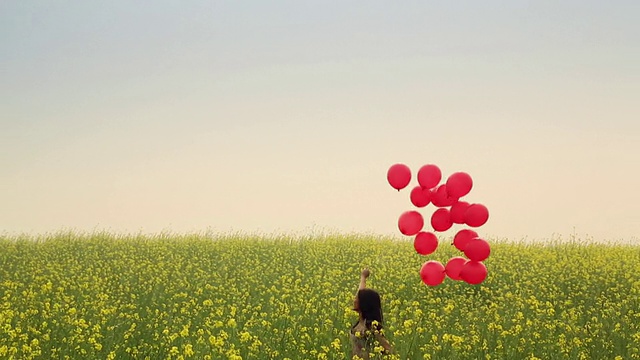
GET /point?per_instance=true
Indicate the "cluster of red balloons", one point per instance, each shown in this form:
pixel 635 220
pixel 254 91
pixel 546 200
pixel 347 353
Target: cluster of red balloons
pixel 450 210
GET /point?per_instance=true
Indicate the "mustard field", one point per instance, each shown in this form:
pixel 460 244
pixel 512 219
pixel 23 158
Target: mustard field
pixel 106 296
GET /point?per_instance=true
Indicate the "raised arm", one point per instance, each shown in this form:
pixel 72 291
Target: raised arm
pixel 363 280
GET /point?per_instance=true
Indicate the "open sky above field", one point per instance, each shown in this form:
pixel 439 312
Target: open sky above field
pixel 284 116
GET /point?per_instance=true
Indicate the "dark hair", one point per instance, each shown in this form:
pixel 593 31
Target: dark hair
pixel 370 307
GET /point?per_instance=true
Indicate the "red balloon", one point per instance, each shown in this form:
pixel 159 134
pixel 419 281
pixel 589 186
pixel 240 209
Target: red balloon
pixel 429 176
pixel 425 243
pixel 459 184
pixel 420 197
pixel 473 272
pixel 399 176
pixel 476 215
pixel 453 267
pixel 457 212
pixel 432 273
pixel 477 249
pixel 441 220
pixel 410 223
pixel 440 197
pixel 462 238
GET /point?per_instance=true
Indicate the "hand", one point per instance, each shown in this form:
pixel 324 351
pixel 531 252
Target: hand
pixel 365 273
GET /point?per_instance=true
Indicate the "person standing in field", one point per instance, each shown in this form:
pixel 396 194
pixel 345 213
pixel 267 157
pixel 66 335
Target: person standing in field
pixel 367 336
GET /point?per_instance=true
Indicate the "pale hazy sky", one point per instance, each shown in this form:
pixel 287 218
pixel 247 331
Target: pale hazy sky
pixel 284 116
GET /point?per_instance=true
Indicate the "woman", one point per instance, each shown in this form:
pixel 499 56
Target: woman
pixel 366 334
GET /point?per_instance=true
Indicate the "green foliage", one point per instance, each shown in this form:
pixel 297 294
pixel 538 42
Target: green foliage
pixel 251 297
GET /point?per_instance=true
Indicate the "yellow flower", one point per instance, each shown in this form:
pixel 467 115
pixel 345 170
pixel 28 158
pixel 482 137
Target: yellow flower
pixel 335 344
pixel 245 336
pixel 188 350
pixel 185 331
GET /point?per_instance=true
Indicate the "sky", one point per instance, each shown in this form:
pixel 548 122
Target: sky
pixel 284 116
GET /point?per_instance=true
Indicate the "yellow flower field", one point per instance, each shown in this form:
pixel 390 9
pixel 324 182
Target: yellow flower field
pixel 104 296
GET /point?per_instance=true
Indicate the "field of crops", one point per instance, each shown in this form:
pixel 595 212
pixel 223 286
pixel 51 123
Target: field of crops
pixel 103 296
